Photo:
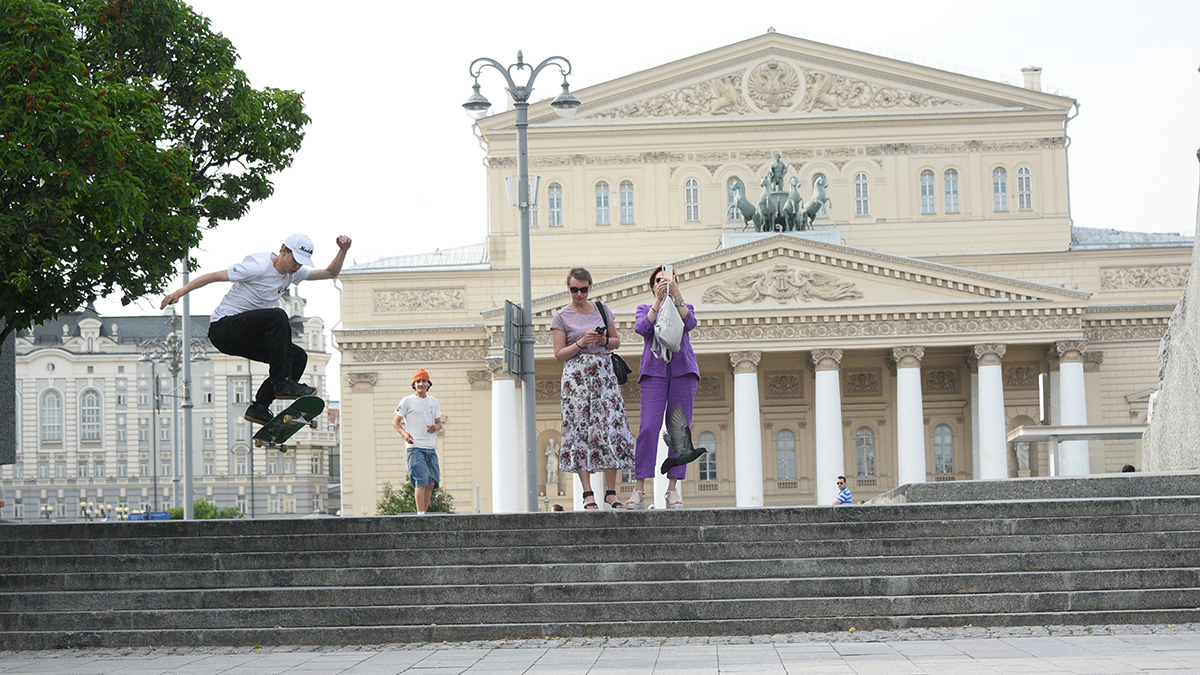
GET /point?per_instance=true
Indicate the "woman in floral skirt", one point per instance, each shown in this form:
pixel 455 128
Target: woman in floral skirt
pixel 595 430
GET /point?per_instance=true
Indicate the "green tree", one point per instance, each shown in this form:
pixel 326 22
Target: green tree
pixel 404 500
pixel 123 125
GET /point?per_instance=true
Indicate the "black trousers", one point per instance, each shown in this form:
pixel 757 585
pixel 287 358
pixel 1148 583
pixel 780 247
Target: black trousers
pixel 263 335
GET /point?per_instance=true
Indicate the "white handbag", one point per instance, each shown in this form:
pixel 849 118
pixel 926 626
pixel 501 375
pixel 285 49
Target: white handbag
pixel 668 332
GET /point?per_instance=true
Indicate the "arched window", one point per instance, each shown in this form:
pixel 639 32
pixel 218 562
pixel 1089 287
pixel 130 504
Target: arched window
pixel 554 201
pixel 943 450
pixel 927 197
pixel 89 416
pixel 731 208
pixel 951 178
pixel 691 200
pixel 626 202
pixel 603 216
pixel 999 189
pixel 51 416
pixel 824 212
pixel 785 455
pixel 1024 189
pixel 862 195
pixel 707 464
pixel 864 451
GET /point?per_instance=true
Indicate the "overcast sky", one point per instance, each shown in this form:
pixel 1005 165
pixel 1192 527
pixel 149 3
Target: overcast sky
pixel 389 145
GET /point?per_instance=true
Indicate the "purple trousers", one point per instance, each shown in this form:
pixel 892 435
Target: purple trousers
pixel 660 395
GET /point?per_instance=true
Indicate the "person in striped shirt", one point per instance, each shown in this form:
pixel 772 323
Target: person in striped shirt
pixel 843 496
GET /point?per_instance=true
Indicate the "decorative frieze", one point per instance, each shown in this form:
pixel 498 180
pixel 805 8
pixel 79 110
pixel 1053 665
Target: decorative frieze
pixel 744 362
pixel 772 86
pixel 784 385
pixel 1139 278
pixel 825 92
pixel 941 380
pixel 882 328
pixel 362 383
pixel 1021 376
pixel 989 354
pixel 718 96
pixel 862 382
pixel 416 355
pixel 782 282
pixel 826 359
pixel 424 300
pixel 1119 331
pixel 547 390
pixel 908 356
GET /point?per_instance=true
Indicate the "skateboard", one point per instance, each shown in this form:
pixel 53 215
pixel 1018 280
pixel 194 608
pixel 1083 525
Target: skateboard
pixel 301 413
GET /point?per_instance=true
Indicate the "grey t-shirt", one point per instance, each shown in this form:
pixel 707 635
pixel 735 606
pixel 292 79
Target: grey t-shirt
pixel 575 324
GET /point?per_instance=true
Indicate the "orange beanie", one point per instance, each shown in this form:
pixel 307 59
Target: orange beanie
pixel 421 374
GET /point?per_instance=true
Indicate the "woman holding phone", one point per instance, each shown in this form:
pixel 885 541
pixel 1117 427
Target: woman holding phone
pixel 595 428
pixel 664 386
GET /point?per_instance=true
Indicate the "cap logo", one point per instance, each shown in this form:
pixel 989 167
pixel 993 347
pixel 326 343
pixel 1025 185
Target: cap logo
pixel 306 250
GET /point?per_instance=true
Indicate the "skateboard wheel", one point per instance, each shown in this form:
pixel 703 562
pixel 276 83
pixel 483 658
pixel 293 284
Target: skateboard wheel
pixel 287 419
pixel 283 448
pixel 313 424
pixel 258 443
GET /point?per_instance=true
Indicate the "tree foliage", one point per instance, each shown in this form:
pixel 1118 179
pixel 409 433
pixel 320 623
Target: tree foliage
pixel 123 125
pixel 404 500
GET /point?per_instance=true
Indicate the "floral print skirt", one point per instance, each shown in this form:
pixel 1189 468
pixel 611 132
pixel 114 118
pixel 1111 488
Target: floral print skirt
pixel 595 428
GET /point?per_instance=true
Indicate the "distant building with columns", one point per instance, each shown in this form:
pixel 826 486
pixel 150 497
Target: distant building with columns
pixel 939 299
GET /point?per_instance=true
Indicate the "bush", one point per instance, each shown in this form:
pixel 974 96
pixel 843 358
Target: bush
pixel 404 500
pixel 206 510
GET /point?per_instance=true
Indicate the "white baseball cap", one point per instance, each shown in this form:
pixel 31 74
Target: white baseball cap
pixel 301 247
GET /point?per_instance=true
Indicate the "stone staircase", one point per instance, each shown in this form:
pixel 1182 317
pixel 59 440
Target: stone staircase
pixel 1100 559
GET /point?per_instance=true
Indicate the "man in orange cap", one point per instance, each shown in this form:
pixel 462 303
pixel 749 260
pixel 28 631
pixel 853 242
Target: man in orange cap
pixel 418 419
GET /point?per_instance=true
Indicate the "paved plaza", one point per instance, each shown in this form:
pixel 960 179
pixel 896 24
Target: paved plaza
pixel 956 651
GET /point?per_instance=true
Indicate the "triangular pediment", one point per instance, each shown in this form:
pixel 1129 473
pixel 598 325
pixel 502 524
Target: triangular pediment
pixel 776 75
pixel 790 275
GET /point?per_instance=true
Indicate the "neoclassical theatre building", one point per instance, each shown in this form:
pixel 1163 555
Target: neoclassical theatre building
pixel 933 302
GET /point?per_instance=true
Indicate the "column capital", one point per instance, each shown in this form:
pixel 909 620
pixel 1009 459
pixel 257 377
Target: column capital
pixel 745 362
pixel 1092 361
pixel 480 379
pixel 908 356
pixel 495 366
pixel 989 354
pixel 1070 351
pixel 826 359
pixel 362 383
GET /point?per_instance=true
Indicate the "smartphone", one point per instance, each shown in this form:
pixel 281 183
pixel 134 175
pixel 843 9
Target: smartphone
pixel 669 270
pixel 602 330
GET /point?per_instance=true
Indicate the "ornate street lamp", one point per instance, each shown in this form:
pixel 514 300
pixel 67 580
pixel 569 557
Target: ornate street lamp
pixel 565 104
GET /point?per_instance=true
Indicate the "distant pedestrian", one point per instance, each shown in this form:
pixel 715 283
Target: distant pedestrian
pixel 843 496
pixel 418 419
pixel 1128 468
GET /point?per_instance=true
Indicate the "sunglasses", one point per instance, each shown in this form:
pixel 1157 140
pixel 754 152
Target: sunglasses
pixel 840 483
pixel 585 289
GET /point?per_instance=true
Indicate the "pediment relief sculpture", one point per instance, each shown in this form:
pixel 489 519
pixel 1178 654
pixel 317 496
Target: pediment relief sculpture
pixel 775 86
pixel 784 284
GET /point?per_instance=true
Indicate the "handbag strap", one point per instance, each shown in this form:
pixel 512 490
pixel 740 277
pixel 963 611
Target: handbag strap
pixel 603 317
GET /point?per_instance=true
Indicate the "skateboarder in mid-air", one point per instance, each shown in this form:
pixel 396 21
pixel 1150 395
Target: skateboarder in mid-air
pixel 247 323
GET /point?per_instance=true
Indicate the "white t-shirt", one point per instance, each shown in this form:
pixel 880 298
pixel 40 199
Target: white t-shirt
pixel 419 413
pixel 256 285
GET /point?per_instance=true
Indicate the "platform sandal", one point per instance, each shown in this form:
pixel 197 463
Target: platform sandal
pixel 592 505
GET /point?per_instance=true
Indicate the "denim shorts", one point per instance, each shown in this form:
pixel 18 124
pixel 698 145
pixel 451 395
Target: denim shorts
pixel 423 467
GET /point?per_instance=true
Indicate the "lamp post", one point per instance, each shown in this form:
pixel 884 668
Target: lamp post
pixel 565 104
pixel 47 511
pixel 174 350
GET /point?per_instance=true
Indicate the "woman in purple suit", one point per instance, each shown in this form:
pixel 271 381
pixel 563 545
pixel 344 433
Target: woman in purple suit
pixel 664 386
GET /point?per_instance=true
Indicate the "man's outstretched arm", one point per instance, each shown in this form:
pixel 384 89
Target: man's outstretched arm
pixel 198 282
pixel 335 267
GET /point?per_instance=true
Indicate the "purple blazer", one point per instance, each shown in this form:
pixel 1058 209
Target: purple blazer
pixel 683 363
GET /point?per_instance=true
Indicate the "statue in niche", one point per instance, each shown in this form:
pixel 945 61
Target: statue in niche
pixel 551 463
pixel 1022 449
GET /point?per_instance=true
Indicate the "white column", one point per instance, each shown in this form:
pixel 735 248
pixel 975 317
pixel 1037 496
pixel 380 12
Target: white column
pixel 1074 458
pixel 747 430
pixel 507 458
pixel 910 415
pixel 974 422
pixel 993 442
pixel 831 461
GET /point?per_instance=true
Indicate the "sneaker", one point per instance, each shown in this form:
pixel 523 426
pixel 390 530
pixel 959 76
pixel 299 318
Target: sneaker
pixel 674 501
pixel 258 413
pixel 637 500
pixel 293 389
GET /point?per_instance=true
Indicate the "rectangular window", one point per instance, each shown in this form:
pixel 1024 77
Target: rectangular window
pixel 927 196
pixel 315 466
pixel 43 469
pixel 144 466
pixel 951 191
pixel 554 195
pixel 122 468
pixel 626 196
pixel 208 397
pixel 121 400
pixel 210 467
pixel 60 469
pixel 603 213
pixel 98 467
